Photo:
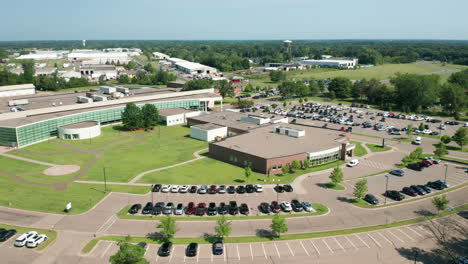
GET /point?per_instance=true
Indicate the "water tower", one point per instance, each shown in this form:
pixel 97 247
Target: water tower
pixel 287 44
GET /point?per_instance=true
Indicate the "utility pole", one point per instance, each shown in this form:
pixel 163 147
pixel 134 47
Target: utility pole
pixel 105 180
pixel 386 188
pixel 446 167
pixel 152 200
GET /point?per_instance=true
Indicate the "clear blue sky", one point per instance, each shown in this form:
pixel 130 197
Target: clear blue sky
pixel 233 19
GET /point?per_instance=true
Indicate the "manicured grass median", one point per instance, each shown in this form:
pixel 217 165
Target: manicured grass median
pixel 247 239
pixel 359 150
pixel 51 235
pixel 334 186
pixel 320 209
pixel 377 147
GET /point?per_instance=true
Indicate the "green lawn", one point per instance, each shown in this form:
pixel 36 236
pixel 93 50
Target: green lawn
pixel 104 138
pixel 359 150
pixel 51 235
pixel 377 147
pixel 75 158
pixel 336 187
pixel 18 166
pixel 79 88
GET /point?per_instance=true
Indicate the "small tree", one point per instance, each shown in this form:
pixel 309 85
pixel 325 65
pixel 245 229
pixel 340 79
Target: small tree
pixel 441 203
pixel 445 139
pixel 295 165
pixel 168 227
pixel 421 127
pixel 247 172
pixel 274 106
pixel 360 188
pixel 336 176
pixel 286 168
pixel 129 254
pixel 307 163
pixel 223 228
pixel 440 150
pixel 461 137
pixel 278 225
pixel 102 79
pixel 409 129
pixel 285 104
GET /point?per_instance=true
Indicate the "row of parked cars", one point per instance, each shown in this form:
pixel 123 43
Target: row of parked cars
pixel 204 189
pixel 200 209
pixel 30 239
pixel 192 249
pixel 295 205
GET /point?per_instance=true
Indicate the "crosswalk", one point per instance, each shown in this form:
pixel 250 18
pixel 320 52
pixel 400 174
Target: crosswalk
pixel 374 164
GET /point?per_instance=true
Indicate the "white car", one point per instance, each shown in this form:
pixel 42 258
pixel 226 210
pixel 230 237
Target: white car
pixel 286 206
pixel 222 189
pixel 175 188
pixel 443 127
pixel 184 189
pixel 417 141
pixel 308 207
pixel 466 124
pixel 36 241
pixel 426 131
pixel 25 238
pixel 352 163
pixel 165 188
pixel 258 188
pixel 436 161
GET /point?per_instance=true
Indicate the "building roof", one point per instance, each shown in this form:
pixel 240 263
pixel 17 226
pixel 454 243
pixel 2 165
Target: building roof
pixel 174 111
pixel 264 142
pixel 207 126
pixel 17 87
pixel 83 124
pixel 227 118
pixel 192 65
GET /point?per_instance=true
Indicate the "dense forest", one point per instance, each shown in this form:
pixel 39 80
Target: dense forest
pixel 234 55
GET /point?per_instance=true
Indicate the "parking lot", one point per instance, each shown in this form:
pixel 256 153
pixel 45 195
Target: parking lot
pixel 18 253
pixel 278 251
pixel 376 184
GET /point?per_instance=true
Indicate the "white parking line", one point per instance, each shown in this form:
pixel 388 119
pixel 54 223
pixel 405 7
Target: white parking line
pixel 172 253
pixel 395 236
pixel 384 237
pixel 185 256
pixel 375 241
pixel 198 252
pixel 238 255
pixel 105 251
pixel 414 231
pixel 362 241
pixel 316 249
pixel 251 253
pixel 277 251
pixel 412 239
pixel 339 244
pixel 290 250
pixel 211 256
pixel 264 252
pixel 224 251
pixel 325 242
pixel 351 243
pixel 304 248
pixel 425 230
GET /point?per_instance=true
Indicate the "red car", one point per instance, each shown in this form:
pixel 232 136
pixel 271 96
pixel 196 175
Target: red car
pixel 426 163
pixel 201 209
pixel 275 207
pixel 212 189
pixel 190 209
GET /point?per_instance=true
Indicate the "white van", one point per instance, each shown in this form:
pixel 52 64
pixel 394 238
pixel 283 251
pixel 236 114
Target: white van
pixel 417 141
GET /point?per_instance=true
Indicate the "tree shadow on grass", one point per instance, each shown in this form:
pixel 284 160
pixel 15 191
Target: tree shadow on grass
pixel 210 238
pixel 424 212
pixel 119 128
pixel 325 185
pixel 239 180
pixel 265 233
pixel 157 237
pixel 345 199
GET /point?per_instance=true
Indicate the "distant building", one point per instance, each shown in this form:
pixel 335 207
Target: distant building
pixel 160 56
pixel 67 75
pixel 45 71
pixel 208 132
pixel 194 68
pixel 333 63
pixel 17 90
pixel 93 72
pixel 98 57
pixel 44 55
pixel 177 116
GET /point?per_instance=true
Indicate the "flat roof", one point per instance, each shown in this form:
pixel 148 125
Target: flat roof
pixel 207 126
pixel 17 87
pixel 174 111
pixel 227 118
pixel 264 142
pixel 83 124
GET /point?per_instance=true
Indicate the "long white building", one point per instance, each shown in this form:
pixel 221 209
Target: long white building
pixel 333 63
pixel 99 57
pixel 43 55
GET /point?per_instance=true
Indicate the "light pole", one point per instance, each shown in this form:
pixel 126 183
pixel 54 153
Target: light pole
pixel 446 167
pixel 105 180
pixel 152 200
pixel 386 188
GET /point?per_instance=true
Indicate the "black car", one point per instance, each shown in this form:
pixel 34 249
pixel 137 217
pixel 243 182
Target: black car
pixel 165 249
pixel 409 191
pixel 452 123
pixel 143 245
pixel 193 189
pixel 148 208
pixel 279 189
pixel 5 235
pixel 218 248
pixel 156 188
pixel 192 250
pixel 438 185
pixel 231 189
pixel 264 208
pixel 240 189
pixel 419 190
pixel 212 209
pixel 425 188
pixel 371 199
pixel 134 209
pixel 288 188
pixel 395 195
pixel 223 209
pixel 158 208
pixel 397 172
pixel 244 209
pixel 416 166
pixel 249 188
pixel 297 206
pixel 233 209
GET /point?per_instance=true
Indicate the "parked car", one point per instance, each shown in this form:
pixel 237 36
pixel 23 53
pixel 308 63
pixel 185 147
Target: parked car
pixel 134 209
pixel 233 209
pixel 190 209
pixel 156 188
pixel 158 208
pixel 249 188
pixel 184 189
pixel 201 209
pixel 297 206
pixel 179 209
pixel 425 188
pixel 286 206
pixel 258 188
pixel 371 199
pixel 231 189
pixel 264 208
pixel 275 207
pixel 222 189
pixel 212 209
pixel 416 166
pixel 168 208
pixel 212 189
pixel 175 189
pixel 36 241
pixel 25 238
pixel 192 250
pixel 397 172
pixel 307 207
pixel 288 188
pixel 352 163
pixel 244 209
pixel 193 189
pixel 223 209
pixel 240 189
pixel 438 185
pixel 203 189
pixel 418 190
pixel 279 189
pixel 165 188
pixel 409 191
pixel 395 195
pixel 7 234
pixel 417 141
pixel 432 159
pixel 218 248
pixel 165 249
pixel 148 208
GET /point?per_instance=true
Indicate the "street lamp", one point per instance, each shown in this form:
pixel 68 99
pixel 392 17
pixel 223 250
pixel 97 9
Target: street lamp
pixel 446 167
pixel 105 180
pixel 386 188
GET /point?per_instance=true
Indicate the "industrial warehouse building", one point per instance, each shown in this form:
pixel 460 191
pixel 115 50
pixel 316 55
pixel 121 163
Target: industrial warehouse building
pixel 333 63
pixel 177 116
pixel 45 116
pixel 17 90
pixel 208 132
